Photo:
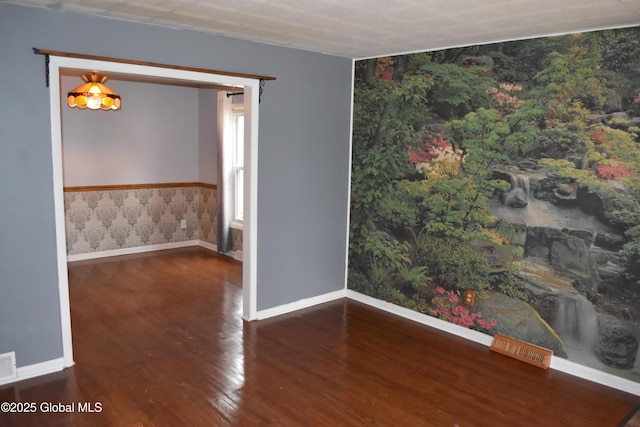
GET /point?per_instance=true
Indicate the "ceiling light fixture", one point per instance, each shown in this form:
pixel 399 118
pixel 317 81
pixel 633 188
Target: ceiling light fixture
pixel 93 94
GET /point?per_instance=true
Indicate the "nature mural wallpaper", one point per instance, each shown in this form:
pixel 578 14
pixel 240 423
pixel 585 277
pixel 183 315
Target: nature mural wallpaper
pixel 512 170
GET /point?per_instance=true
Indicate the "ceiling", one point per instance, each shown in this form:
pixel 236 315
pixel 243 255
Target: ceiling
pixel 366 28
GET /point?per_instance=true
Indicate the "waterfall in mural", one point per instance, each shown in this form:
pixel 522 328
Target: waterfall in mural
pixel 520 183
pixel 562 252
pixel 520 201
pixel 576 323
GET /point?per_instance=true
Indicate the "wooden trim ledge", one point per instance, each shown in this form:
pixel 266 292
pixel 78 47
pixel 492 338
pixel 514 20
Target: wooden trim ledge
pixel 137 186
pixel 149 64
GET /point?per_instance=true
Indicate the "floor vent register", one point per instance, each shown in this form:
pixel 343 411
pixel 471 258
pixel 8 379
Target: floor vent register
pixel 523 351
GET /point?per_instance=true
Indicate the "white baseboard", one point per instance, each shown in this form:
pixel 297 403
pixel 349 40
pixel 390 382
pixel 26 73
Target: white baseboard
pixel 129 251
pixel 442 325
pixel 595 375
pixel 207 245
pixel 237 255
pixel 36 370
pixel 557 363
pixel 300 304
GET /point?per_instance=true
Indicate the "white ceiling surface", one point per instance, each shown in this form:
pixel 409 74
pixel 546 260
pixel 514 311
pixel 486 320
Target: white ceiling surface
pixel 366 28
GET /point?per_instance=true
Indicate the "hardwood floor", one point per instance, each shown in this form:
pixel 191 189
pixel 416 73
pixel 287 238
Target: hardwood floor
pixel 158 341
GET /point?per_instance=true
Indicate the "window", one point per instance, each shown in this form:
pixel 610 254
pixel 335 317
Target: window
pixel 230 166
pixel 238 164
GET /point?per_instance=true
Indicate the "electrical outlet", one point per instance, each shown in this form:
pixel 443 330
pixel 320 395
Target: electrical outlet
pixel 469 297
pixel 183 223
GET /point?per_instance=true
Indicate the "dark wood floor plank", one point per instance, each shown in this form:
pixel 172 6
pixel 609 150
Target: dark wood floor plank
pixel 159 341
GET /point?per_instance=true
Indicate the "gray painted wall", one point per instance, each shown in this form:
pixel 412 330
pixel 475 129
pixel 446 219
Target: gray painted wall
pixel 302 176
pixel 208 136
pixel 148 141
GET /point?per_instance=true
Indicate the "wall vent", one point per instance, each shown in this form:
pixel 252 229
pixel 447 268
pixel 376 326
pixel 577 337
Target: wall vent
pixel 8 366
pixel 523 351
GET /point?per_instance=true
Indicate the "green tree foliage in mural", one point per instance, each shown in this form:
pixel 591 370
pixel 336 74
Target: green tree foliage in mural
pixel 387 107
pixel 408 181
pixel 620 51
pixel 455 90
pixel 619 48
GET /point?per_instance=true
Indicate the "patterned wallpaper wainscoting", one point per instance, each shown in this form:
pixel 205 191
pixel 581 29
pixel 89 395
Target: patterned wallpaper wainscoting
pixel 122 217
pixel 236 240
pixel 208 214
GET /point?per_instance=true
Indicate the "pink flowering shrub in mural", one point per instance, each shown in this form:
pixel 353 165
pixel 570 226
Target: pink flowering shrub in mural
pixel 446 306
pixel 438 157
pixel 504 96
pixel 600 138
pixel 434 145
pixel 612 170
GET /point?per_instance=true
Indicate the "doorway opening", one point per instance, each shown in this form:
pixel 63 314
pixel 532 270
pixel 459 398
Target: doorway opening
pixel 58 65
